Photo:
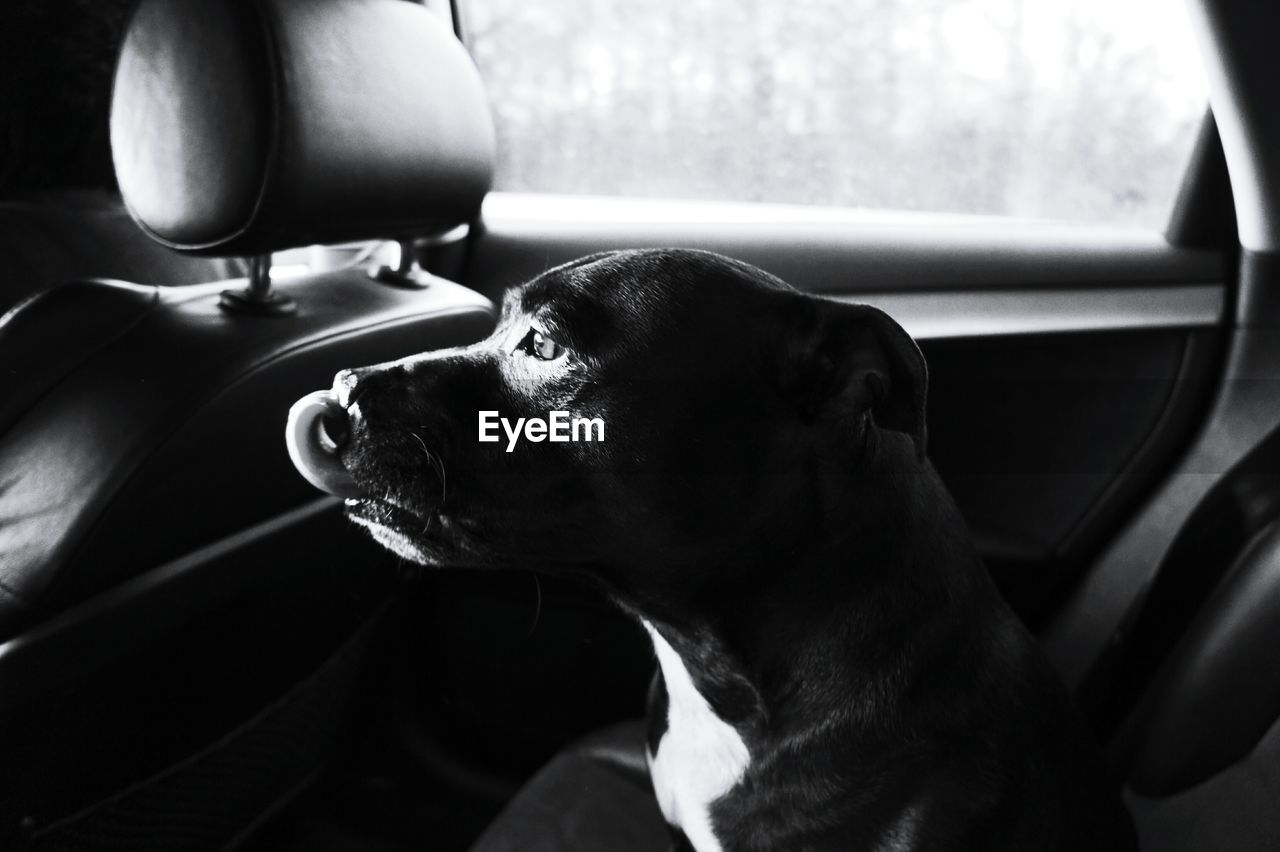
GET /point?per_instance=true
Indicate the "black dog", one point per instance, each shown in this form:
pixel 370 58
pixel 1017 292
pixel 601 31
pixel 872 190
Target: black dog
pixel 837 670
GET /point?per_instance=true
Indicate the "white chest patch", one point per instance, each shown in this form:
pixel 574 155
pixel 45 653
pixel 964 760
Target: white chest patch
pixel 700 757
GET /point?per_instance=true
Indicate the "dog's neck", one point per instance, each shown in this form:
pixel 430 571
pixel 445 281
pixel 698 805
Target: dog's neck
pixel 794 638
pixel 765 640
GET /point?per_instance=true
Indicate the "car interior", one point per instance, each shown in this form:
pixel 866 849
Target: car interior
pixel 197 651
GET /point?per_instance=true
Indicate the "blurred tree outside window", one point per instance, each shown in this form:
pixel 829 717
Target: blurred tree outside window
pixel 1083 110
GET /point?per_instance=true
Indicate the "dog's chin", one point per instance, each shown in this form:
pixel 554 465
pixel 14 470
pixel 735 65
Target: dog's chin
pixel 404 533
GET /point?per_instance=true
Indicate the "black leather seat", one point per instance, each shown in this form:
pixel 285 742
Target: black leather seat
pixel 181 616
pixel 1202 748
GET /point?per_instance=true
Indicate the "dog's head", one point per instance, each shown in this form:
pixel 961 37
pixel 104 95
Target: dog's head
pixel 707 400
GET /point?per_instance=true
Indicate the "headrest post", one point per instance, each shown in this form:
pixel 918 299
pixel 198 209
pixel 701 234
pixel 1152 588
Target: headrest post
pixel 258 297
pixel 260 276
pixel 407 273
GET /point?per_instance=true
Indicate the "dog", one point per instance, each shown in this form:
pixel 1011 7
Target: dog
pixel 836 669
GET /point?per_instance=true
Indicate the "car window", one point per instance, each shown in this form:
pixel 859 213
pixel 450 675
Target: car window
pixel 1076 111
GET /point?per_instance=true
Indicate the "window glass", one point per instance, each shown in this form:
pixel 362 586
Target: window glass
pixel 1083 110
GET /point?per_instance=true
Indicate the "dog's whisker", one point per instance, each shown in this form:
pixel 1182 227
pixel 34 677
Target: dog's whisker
pixel 444 480
pixel 436 464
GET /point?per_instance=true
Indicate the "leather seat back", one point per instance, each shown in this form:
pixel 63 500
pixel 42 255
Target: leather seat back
pixel 1202 748
pixel 160 429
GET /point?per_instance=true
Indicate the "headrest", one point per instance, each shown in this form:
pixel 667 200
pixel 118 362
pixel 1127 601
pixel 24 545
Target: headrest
pixel 248 126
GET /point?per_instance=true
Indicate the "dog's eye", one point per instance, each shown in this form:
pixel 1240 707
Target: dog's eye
pixel 540 346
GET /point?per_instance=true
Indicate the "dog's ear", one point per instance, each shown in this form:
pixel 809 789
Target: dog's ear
pixel 855 358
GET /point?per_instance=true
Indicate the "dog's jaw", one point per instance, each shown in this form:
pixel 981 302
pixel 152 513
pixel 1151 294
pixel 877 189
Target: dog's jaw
pixel 699 759
pixel 399 543
pixel 428 537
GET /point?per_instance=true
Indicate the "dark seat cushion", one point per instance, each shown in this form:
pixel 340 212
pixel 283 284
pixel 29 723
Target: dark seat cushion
pixel 592 797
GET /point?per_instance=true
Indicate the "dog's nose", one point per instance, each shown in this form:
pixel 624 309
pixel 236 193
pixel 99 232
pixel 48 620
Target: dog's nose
pixel 314 435
pixel 333 429
pixel 344 387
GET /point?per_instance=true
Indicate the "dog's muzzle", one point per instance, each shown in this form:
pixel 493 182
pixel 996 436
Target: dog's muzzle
pixel 314 435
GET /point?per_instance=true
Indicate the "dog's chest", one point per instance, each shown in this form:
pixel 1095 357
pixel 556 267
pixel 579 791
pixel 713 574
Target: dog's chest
pixel 700 756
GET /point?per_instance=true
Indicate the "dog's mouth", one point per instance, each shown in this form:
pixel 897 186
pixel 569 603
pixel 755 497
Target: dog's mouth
pixel 372 511
pixel 396 489
pixel 402 531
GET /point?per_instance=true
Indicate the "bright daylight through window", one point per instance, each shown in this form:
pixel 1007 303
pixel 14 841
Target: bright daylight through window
pixel 1080 111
